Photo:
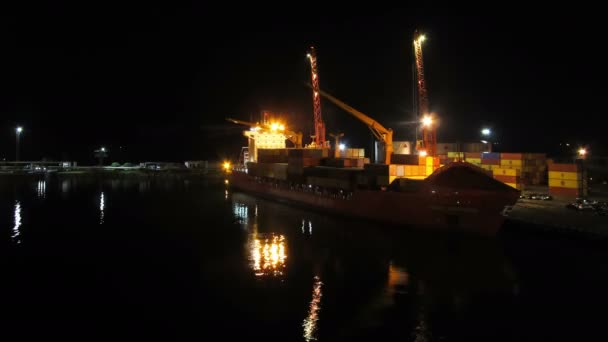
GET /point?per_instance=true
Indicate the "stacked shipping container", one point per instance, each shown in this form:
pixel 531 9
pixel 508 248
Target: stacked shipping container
pixel 567 180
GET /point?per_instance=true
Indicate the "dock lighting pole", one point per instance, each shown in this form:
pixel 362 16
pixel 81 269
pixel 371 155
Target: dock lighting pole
pixel 486 133
pixel 581 153
pixel 18 131
pixel 100 154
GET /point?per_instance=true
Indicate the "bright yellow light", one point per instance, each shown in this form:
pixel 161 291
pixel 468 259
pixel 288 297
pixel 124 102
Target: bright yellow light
pixel 281 127
pixel 582 152
pixel 310 323
pixel 423 153
pixel 226 165
pixel 274 126
pixel 269 256
pixel 422 38
pixel 225 181
pixel 308 55
pixel 427 121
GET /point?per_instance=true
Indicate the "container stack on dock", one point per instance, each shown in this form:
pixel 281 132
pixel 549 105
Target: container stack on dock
pixel 272 155
pixel 412 166
pixel 534 170
pixel 375 175
pixel 511 177
pixel 352 153
pixel 567 180
pixel 300 158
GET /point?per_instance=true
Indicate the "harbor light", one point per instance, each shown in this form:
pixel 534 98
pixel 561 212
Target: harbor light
pixel 423 153
pixel 19 129
pixel 427 121
pixel 103 149
pixel 486 131
pixel 226 166
pixel 342 147
pixel 582 152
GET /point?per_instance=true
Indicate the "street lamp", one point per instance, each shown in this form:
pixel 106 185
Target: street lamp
pixel 18 130
pixel 486 132
pixel 101 154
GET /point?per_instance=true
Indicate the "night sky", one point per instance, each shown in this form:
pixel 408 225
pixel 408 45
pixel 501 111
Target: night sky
pixel 151 82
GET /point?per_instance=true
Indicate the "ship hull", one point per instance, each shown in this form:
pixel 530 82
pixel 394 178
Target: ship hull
pixel 477 212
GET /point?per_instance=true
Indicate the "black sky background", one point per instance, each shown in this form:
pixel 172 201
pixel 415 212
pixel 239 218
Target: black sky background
pixel 155 82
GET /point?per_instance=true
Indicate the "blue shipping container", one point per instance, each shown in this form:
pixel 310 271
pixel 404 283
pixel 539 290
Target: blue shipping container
pixel 490 155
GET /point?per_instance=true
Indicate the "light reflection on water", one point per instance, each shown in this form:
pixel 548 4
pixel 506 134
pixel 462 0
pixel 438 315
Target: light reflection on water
pixel 241 212
pixel 310 323
pixel 41 189
pixel 268 253
pixel 16 232
pixel 102 205
pixel 416 270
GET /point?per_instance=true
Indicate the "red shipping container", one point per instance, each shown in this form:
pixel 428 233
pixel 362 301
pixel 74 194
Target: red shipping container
pixel 512 156
pixel 476 155
pixel 490 162
pixel 564 167
pixel 564 192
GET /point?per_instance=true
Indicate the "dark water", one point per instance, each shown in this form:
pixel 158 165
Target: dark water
pixel 189 260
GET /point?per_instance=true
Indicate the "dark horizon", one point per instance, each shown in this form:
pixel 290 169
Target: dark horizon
pixel 159 82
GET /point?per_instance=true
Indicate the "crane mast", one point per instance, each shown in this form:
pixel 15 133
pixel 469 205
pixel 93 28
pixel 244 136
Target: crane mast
pixel 429 136
pixel 319 124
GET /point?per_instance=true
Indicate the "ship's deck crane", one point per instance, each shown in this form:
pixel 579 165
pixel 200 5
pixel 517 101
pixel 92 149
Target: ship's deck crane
pixel 316 100
pixel 294 137
pixel 385 135
pixel 429 131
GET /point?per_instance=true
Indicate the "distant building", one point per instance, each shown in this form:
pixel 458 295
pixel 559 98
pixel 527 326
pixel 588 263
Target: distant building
pixel 197 164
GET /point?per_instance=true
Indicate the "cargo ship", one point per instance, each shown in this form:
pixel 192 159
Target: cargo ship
pixel 458 196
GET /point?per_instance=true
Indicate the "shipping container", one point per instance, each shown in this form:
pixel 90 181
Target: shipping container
pixel 564 167
pixel 475 161
pixel 400 171
pixel 475 155
pixel 564 183
pixel 490 156
pixel 456 155
pixel 405 159
pixel 513 156
pixel 565 175
pixel 490 162
pixel 511 162
pixel 565 192
pixel 506 172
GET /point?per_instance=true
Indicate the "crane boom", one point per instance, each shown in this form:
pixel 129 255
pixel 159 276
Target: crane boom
pixel 319 124
pixel 385 135
pixel 429 132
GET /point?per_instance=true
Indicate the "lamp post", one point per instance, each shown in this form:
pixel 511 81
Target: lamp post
pixel 581 156
pixel 486 133
pixel 18 131
pixel 100 154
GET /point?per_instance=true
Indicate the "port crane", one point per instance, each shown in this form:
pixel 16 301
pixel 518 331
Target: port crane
pixel 429 130
pixel 383 134
pixel 294 137
pixel 319 140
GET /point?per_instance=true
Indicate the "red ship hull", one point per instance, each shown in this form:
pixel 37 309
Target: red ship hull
pixel 435 205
